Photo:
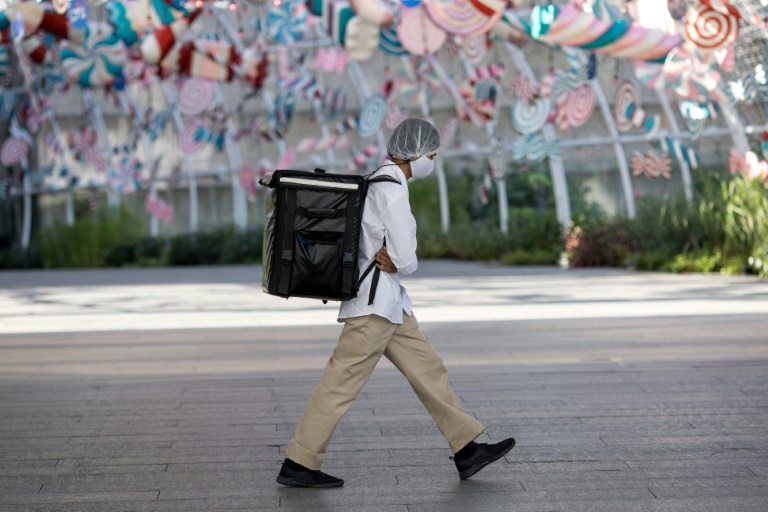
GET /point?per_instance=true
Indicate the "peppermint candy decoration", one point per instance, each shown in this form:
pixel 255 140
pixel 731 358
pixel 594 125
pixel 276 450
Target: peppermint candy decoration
pixel 13 150
pixel 190 139
pixel 126 177
pixel 626 95
pixel 523 87
pixel 372 115
pixel 709 29
pixel 195 96
pixel 530 117
pixel 99 61
pixel 287 22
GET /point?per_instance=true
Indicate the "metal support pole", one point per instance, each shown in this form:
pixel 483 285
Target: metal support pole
pixel 685 170
pixel 26 230
pixel 556 167
pixel 239 201
pixel 170 98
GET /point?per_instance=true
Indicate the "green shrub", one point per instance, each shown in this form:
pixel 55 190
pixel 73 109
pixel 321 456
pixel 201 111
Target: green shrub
pixel 11 259
pixel 537 257
pixel 88 241
pixel 699 261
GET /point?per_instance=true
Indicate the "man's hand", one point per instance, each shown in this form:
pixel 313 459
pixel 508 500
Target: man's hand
pixel 383 262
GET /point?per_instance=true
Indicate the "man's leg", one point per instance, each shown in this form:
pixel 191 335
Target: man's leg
pixel 412 353
pixel 361 343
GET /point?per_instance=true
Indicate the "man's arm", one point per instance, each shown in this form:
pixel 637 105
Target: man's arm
pixel 400 229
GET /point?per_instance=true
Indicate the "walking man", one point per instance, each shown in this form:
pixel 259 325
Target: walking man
pixel 386 326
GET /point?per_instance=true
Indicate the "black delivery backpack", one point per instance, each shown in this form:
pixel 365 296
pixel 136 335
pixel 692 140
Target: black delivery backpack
pixel 312 234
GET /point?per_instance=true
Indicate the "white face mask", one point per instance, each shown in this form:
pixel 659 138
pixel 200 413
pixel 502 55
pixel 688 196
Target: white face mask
pixel 422 167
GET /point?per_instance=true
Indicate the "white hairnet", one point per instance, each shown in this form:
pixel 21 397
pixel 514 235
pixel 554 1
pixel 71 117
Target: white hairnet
pixel 412 138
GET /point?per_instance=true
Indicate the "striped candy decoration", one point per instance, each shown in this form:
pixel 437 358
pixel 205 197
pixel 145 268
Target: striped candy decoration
pixel 389 42
pixel 322 143
pixel 761 80
pixel 682 153
pixel 533 148
pixel 743 90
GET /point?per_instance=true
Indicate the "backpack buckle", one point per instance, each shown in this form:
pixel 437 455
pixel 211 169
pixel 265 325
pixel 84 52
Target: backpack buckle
pixel 348 259
pixel 287 256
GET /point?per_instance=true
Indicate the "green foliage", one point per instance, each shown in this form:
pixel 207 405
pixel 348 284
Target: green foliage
pixel 536 257
pixel 19 259
pixel 724 225
pixel 88 241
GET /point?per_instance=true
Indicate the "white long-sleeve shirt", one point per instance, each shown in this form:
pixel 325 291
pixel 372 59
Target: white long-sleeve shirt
pixel 386 214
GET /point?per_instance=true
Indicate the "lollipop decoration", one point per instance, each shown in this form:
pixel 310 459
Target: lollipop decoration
pixel 394 117
pixel 13 150
pixel 372 115
pixel 417 32
pixel 196 96
pixel 189 142
pixel 530 116
pixel 466 17
pixel 532 148
pixel 743 90
pixel 626 95
pixel 389 42
pixel 330 60
pixel 474 47
pixel 576 107
pixel 709 29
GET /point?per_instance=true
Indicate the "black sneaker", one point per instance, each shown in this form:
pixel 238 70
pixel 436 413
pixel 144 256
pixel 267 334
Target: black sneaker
pixel 296 475
pixel 474 457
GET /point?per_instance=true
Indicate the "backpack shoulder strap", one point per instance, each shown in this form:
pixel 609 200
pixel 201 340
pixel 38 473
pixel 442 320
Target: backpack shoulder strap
pixel 382 179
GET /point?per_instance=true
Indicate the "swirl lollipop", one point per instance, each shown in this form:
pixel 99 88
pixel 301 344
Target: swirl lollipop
pixel 99 61
pixel 195 96
pixel 13 150
pixel 530 117
pixel 372 115
pixel 579 105
pixel 287 22
pixel 418 33
pixel 389 42
pixel 463 17
pixel 709 29
pixel 626 95
pixel 474 47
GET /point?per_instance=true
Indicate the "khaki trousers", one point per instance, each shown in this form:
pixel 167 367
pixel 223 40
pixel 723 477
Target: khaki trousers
pixel 362 342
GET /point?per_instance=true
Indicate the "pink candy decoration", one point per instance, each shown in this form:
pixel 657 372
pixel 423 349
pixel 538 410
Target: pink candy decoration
pixel 13 150
pixel 523 87
pixel 652 165
pixel 195 96
pixel 159 209
pixel 189 140
pixel 286 160
pixel 418 33
pixel 330 60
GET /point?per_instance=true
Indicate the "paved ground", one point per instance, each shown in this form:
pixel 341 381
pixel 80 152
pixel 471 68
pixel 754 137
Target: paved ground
pixel 177 390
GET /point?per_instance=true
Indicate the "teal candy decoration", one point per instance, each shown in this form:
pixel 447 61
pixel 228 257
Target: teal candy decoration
pixel 287 22
pixel 119 20
pixel 315 7
pixel 542 18
pixel 389 43
pixel 616 31
pixel 165 11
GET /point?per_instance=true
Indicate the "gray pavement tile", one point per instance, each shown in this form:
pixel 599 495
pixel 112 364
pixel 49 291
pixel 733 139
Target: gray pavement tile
pixel 471 494
pixel 21 499
pixel 758 469
pixel 65 469
pixel 699 505
pixel 677 491
pixel 543 482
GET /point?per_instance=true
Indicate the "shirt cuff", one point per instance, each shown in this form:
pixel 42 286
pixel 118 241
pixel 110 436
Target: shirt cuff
pixel 409 268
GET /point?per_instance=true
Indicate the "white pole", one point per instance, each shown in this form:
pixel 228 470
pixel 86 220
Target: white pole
pixel 556 167
pixel 170 98
pixel 69 204
pixel 26 231
pixel 113 198
pixel 239 201
pixel 685 171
